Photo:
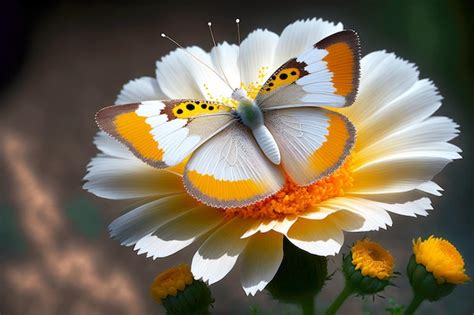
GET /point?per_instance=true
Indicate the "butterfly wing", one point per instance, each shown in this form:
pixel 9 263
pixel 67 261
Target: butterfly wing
pixel 164 133
pixel 313 142
pixel 230 170
pixel 325 75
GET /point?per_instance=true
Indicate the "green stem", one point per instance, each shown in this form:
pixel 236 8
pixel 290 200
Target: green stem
pixel 345 293
pixel 307 305
pixel 415 302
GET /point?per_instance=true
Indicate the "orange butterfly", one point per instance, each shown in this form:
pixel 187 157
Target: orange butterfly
pixel 235 152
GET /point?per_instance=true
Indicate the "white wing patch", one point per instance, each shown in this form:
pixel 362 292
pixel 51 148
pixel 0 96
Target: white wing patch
pixel 230 170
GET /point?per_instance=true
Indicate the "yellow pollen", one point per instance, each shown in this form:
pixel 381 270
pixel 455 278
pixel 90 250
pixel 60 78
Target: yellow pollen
pixel 441 258
pixel 251 88
pixel 293 199
pixel 169 282
pixel 372 259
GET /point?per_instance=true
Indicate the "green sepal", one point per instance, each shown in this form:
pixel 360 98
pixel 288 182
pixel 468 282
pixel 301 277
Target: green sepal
pixel 424 283
pixel 360 284
pixel 195 299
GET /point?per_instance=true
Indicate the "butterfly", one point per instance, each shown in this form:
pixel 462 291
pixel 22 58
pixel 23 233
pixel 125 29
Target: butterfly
pixel 238 155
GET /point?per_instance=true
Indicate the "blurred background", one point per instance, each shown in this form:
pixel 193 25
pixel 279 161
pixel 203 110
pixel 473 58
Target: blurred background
pixel 61 61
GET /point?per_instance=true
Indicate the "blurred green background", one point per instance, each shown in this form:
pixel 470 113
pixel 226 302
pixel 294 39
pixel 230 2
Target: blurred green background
pixel 61 61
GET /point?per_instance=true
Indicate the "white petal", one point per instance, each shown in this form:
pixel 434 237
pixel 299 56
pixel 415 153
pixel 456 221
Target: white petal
pixel 410 208
pixel 429 135
pixel 146 219
pixel 117 178
pixel 375 216
pixel 412 106
pixel 301 35
pixel 260 261
pixel 182 76
pixel 384 77
pixel 283 225
pixel 318 237
pixel 259 226
pixel 256 52
pixel 112 147
pixel 349 221
pixel 319 212
pixel 431 188
pixel 410 203
pixel 218 254
pixel 141 89
pixel 225 60
pixel 397 173
pixel 179 232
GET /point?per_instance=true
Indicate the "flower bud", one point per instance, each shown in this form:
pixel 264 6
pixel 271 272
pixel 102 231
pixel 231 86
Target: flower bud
pixel 180 293
pixel 435 268
pixel 368 268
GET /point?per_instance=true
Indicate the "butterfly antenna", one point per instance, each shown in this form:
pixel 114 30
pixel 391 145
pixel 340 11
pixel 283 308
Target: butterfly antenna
pixel 237 21
pixel 196 58
pixel 209 24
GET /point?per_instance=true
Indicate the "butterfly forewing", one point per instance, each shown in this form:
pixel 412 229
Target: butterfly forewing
pixel 327 74
pixel 164 133
pixel 230 170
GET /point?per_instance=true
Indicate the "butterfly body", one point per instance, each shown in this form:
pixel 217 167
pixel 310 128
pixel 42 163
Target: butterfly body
pixel 238 155
pixel 251 116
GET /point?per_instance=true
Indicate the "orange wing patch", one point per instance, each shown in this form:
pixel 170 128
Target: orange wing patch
pixel 124 124
pixel 134 129
pixel 343 61
pixel 219 189
pixel 340 140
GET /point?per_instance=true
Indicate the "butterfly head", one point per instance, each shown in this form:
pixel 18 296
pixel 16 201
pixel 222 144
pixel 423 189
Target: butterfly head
pixel 239 94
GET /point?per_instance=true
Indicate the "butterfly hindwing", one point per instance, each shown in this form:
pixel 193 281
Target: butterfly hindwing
pixel 164 133
pixel 325 75
pixel 230 170
pixel 313 142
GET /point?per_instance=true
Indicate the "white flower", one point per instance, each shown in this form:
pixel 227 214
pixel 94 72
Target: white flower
pixel 399 148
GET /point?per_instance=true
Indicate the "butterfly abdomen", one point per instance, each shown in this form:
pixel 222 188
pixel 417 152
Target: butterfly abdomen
pixel 251 116
pixel 267 143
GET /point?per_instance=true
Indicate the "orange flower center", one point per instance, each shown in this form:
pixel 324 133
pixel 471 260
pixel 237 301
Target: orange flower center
pixel 293 199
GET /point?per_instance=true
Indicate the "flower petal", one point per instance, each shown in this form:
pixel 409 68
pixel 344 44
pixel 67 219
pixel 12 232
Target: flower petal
pixel 375 216
pixel 300 36
pixel 117 178
pixel 146 219
pixel 318 237
pixel 225 60
pixel 218 254
pixel 260 261
pixel 349 221
pixel 429 135
pixel 181 75
pixel 384 78
pixel 256 53
pixel 397 173
pixel 412 106
pixel 431 188
pixel 319 212
pixel 112 147
pixel 180 232
pixel 409 208
pixel 138 90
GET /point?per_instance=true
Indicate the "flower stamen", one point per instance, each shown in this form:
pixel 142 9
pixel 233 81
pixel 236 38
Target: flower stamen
pixel 293 199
